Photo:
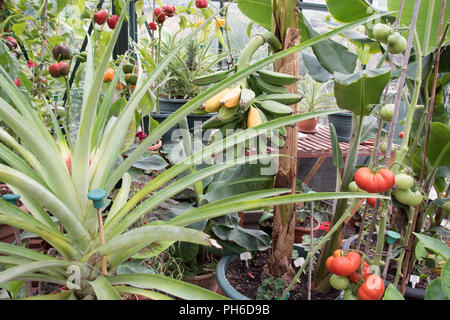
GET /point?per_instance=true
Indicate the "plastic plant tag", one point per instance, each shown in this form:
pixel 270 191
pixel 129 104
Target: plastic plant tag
pixel 299 262
pixel 414 279
pixel 245 256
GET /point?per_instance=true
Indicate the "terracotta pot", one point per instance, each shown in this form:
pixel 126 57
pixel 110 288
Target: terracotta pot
pixel 156 146
pixel 6 233
pixel 301 231
pixel 308 126
pixel 207 281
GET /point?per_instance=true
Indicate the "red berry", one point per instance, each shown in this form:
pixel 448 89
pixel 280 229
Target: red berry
pixel 201 3
pixel 100 16
pixel 169 10
pixel 17 82
pixel 13 42
pixel 112 21
pixel 159 15
pixel 401 134
pixel 153 26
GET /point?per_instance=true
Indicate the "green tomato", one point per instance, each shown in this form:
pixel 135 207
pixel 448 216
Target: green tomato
pixel 339 282
pixel 348 295
pixel 404 181
pixel 383 146
pixel 381 32
pixel 396 43
pixel 408 197
pixel 387 112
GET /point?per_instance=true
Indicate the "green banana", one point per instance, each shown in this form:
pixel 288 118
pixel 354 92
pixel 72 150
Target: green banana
pixel 199 112
pixel 285 98
pixel 277 78
pixel 210 78
pixel 224 114
pixel 274 107
pixel 247 96
pixel 253 86
pixel 268 87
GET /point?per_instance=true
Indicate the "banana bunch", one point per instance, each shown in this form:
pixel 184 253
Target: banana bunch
pixel 261 98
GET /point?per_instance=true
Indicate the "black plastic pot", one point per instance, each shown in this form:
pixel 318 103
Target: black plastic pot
pixel 225 285
pixel 170 105
pixel 410 293
pixel 343 124
pixel 160 117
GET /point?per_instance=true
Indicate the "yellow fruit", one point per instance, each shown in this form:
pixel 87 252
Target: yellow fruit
pixel 254 118
pixel 232 98
pixel 213 104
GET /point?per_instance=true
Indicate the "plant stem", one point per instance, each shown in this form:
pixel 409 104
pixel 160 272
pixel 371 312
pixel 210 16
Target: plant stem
pixel 404 243
pixel 67 104
pixel 361 226
pixel 333 230
pixel 430 114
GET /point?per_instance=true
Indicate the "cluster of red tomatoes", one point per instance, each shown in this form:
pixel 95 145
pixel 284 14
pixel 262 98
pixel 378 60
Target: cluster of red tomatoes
pixel 382 181
pixel 345 276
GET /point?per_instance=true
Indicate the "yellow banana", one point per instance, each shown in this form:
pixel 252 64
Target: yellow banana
pixel 213 104
pixel 254 117
pixel 232 98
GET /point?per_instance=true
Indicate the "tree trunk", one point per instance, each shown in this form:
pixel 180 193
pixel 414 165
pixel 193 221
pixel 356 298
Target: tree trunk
pixel 279 264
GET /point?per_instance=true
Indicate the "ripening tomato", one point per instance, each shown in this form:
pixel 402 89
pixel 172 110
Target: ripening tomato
pixel 348 295
pixel 401 134
pixel 109 75
pixel 372 288
pixel 378 182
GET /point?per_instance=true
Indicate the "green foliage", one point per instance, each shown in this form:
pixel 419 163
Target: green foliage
pixel 270 289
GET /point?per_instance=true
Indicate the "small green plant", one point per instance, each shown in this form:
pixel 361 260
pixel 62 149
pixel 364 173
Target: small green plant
pixel 270 289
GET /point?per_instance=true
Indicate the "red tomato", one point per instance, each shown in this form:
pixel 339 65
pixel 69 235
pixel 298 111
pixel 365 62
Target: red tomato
pixel 372 288
pixel 372 202
pixel 343 265
pixel 355 277
pixel 401 134
pixel 381 181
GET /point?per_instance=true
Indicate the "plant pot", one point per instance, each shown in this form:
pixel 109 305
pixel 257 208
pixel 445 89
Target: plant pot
pixel 343 124
pixel 7 233
pixel 267 226
pixel 225 285
pixel 207 281
pixel 170 105
pixel 160 117
pixel 301 231
pixel 308 125
pixel 250 219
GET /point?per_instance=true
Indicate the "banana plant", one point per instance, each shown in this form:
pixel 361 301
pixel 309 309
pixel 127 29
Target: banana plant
pixel 54 177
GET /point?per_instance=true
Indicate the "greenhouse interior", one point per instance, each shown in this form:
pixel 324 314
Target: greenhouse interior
pixel 225 150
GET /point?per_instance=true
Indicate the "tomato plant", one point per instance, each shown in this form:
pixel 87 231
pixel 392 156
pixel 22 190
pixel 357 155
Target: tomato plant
pixel 380 181
pixel 396 43
pixel 372 288
pixel 372 202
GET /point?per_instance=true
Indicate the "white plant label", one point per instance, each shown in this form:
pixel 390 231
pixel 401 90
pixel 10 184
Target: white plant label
pixel 299 262
pixel 246 256
pixel 414 279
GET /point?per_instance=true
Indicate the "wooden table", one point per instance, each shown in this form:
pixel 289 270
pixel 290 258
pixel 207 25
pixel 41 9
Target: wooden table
pixel 318 145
